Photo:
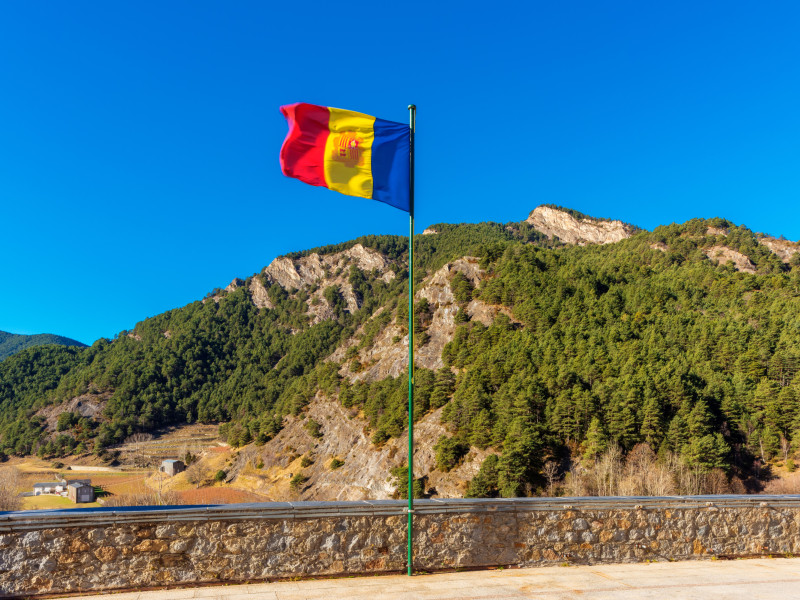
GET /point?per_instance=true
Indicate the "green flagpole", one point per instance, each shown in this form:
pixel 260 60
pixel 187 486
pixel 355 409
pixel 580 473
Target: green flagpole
pixel 413 115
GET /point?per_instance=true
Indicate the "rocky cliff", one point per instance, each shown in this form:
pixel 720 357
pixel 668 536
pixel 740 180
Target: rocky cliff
pixel 723 255
pixel 783 249
pixel 387 355
pixel 344 435
pixel 314 273
pixel 577 230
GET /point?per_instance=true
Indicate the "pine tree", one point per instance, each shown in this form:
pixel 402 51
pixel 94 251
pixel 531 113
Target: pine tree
pixel 596 440
pixel 484 484
pixel 707 452
pixel 699 420
pixel 481 429
pixel 443 387
pixel 520 460
pixel 622 419
pixel 651 430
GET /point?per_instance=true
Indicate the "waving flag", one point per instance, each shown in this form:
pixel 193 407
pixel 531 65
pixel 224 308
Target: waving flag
pixel 359 155
pixel 348 152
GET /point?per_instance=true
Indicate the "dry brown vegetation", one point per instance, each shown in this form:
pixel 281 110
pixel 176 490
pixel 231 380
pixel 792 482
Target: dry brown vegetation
pixel 146 498
pixel 9 487
pixel 789 484
pixel 219 495
pixel 642 473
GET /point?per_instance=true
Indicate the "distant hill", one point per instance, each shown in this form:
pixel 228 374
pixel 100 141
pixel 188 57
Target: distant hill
pixel 11 343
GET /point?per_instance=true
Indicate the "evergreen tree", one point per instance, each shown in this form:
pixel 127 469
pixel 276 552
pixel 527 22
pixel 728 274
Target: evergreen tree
pixel 443 387
pixel 651 430
pixel 485 483
pixel 596 440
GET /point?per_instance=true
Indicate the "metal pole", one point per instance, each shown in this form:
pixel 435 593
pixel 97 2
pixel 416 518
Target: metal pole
pixel 413 114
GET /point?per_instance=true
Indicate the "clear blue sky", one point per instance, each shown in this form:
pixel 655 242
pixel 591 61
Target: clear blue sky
pixel 139 140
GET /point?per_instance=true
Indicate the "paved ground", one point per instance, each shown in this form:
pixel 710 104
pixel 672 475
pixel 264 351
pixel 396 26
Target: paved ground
pixel 758 579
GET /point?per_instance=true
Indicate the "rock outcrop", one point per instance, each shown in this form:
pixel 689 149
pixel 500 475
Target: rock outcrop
pixel 722 255
pixel 570 230
pixel 387 356
pixel 234 285
pixel 784 249
pixel 317 272
pixel 312 269
pixel 86 405
pixel 365 473
pixel 440 296
pixel 258 293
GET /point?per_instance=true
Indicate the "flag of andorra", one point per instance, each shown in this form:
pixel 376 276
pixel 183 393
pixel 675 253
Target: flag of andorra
pixel 348 152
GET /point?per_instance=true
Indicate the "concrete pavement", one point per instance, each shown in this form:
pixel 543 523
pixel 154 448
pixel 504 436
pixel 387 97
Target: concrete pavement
pixel 753 579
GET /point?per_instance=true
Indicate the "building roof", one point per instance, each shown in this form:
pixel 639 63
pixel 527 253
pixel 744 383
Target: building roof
pixel 170 460
pixel 48 484
pixel 78 485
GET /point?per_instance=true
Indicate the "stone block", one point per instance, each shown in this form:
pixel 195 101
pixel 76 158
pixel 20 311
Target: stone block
pixel 151 546
pixel 166 531
pixel 106 554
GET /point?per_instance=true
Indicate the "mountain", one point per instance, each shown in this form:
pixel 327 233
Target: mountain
pixel 541 346
pixel 11 343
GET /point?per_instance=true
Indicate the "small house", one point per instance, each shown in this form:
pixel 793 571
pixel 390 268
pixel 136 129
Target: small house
pixel 172 467
pixel 80 492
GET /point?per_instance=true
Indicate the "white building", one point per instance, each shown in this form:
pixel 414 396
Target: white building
pixel 51 487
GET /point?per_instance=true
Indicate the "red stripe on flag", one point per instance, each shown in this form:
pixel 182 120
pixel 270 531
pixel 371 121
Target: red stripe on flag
pixel 303 150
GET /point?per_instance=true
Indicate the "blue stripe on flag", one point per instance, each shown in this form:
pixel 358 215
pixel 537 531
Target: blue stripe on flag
pixel 390 154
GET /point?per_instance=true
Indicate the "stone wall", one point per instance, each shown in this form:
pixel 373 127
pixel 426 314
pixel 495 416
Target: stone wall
pixel 104 549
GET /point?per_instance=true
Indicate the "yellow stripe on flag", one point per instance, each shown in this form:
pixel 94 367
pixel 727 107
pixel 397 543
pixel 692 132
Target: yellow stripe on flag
pixel 348 153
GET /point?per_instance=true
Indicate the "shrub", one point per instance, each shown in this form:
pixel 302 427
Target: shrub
pixel 449 452
pixel 313 428
pixel 220 475
pixel 379 437
pixel 336 463
pixel 400 482
pixel 306 461
pixel 297 481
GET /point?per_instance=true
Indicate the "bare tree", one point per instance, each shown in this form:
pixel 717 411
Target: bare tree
pixel 550 472
pixel 137 439
pixel 642 473
pixel 9 489
pixel 137 442
pixel 785 447
pixel 608 471
pixel 197 474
